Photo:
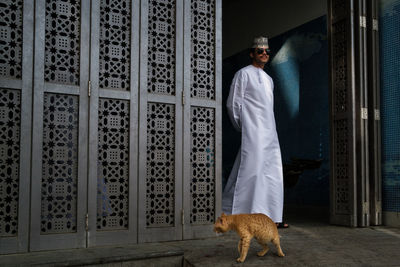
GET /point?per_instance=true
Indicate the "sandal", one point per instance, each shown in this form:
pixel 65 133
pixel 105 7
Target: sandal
pixel 282 225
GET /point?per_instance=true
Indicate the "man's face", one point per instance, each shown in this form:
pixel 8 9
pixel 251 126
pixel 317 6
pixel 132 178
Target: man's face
pixel 260 55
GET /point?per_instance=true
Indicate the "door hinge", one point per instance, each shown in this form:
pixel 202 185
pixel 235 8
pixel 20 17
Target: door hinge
pixel 363 21
pixel 89 87
pixel 375 24
pixel 183 216
pixel 364 113
pixel 377 115
pixel 183 98
pixel 87 222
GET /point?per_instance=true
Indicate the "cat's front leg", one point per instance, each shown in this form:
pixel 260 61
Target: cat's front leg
pixel 244 248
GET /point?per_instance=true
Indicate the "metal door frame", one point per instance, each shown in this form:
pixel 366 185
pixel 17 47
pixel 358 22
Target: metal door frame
pixel 69 240
pixel 19 243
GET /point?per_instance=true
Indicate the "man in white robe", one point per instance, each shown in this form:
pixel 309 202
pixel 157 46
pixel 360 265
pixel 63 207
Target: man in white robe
pixel 255 184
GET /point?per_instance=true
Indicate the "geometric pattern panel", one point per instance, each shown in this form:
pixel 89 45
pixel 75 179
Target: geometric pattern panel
pixel 161 47
pixel 62 41
pixel 341 168
pixel 203 49
pixel 11 38
pixel 202 162
pixel 60 164
pixel 115 44
pixel 10 122
pixel 339 8
pixel 113 164
pixel 160 182
pixel 339 51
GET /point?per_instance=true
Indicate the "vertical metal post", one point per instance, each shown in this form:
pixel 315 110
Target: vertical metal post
pixel 374 126
pixel 361 119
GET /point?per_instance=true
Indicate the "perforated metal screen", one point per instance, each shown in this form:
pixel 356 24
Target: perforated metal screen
pixel 98 98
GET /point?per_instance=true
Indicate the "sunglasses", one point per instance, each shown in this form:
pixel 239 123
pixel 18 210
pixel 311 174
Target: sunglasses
pixel 259 51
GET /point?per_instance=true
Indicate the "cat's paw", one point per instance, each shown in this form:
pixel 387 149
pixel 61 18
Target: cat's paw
pixel 281 254
pixel 240 260
pixel 261 253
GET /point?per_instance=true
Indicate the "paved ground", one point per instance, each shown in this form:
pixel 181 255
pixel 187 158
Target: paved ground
pixel 310 241
pixel 306 245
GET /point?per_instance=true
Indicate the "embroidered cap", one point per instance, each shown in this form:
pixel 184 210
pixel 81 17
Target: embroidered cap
pixel 260 42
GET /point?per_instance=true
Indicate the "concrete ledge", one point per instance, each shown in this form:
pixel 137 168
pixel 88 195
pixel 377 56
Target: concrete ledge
pixel 140 255
pixel 391 218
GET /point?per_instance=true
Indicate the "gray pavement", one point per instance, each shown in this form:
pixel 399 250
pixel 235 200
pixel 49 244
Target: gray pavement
pixel 309 241
pixel 306 245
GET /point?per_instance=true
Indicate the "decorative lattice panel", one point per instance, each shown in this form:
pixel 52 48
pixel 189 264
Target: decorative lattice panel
pixel 202 162
pixel 115 40
pixel 10 121
pixel 160 180
pixel 340 66
pixel 113 165
pixel 341 168
pixel 60 164
pixel 161 49
pixel 339 8
pixel 62 41
pixel 11 38
pixel 341 97
pixel 203 49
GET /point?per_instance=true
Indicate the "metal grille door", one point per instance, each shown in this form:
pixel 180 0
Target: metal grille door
pixel 202 117
pixel 349 113
pixel 15 123
pixel 59 168
pixel 125 144
pixel 160 145
pixel 181 106
pixel 113 120
pixel 343 159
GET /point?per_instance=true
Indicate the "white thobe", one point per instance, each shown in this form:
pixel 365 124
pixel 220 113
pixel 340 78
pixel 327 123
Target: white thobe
pixel 255 184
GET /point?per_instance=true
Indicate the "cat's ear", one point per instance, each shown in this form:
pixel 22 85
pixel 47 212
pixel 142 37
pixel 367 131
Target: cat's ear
pixel 223 215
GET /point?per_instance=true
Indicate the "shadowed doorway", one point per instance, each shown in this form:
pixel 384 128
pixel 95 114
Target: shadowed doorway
pixel 299 68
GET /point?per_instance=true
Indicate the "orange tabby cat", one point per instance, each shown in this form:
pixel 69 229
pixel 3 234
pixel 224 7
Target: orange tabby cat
pixel 248 226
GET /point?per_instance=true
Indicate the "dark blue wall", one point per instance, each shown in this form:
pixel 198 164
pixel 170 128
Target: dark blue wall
pixel 300 73
pixel 389 22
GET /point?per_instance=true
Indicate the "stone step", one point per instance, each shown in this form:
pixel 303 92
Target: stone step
pixel 154 254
